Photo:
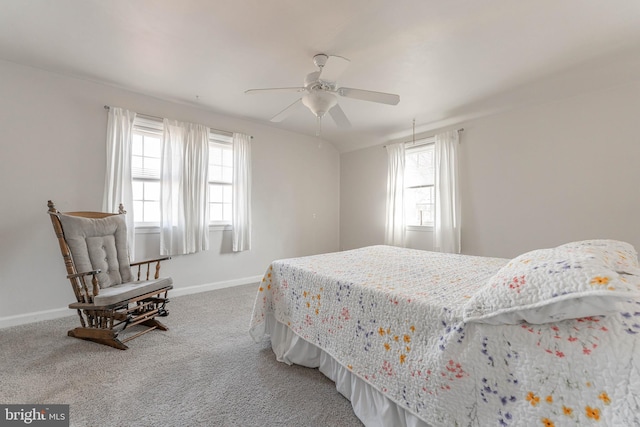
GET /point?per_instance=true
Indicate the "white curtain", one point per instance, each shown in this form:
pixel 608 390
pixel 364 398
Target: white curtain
pixel 447 194
pixel 117 184
pixel 395 221
pixel 184 224
pixel 241 219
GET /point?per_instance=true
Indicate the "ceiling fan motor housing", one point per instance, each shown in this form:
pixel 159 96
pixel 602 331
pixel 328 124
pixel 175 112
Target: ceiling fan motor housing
pixel 311 79
pixel 320 60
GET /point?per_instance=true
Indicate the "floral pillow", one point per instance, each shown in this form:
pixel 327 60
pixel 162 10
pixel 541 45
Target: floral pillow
pixel 549 285
pixel 620 256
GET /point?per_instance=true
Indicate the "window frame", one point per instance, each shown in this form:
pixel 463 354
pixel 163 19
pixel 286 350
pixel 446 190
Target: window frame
pixel 414 146
pixel 225 141
pixel 146 127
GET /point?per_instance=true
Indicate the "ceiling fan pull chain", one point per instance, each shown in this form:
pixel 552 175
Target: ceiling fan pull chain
pixel 319 128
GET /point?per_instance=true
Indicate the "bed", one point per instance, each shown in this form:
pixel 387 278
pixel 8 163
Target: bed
pixel 420 338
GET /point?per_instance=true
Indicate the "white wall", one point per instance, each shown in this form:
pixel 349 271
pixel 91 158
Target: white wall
pixel 52 141
pixel 363 186
pixel 554 173
pixel 530 178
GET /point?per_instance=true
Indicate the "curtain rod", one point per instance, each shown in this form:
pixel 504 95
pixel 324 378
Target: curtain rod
pixel 107 107
pixel 425 137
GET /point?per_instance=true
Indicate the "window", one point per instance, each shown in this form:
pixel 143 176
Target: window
pixel 146 152
pixel 220 178
pixel 419 177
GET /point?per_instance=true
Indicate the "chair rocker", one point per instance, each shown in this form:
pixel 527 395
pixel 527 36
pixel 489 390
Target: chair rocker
pixel 94 244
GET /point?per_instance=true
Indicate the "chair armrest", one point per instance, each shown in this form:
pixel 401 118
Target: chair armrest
pixel 94 283
pixel 148 263
pixel 84 273
pixel 133 264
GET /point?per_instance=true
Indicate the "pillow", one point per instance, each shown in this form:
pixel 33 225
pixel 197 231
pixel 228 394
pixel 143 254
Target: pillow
pixel 99 243
pixel 549 285
pixel 619 256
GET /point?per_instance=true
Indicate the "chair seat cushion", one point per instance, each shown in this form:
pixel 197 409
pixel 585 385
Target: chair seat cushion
pixel 125 291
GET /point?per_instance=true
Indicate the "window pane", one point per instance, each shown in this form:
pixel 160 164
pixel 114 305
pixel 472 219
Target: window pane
pixel 227 158
pixel 419 206
pixel 152 146
pixel 138 211
pixel 152 191
pixel 145 161
pixel 220 202
pixel 419 167
pixel 215 173
pixel 138 191
pixel 152 166
pixel 151 211
pixel 215 193
pixel 226 212
pixel 419 180
pixel 227 194
pixel 146 152
pixel 215 155
pixel 220 163
pixel 227 174
pixel 136 145
pixel 136 165
pixel 216 211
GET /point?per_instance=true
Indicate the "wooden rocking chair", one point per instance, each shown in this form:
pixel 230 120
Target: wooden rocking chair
pixel 95 244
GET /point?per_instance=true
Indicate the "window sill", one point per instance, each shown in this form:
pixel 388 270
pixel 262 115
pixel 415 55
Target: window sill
pixel 422 228
pixel 147 229
pixel 220 227
pixel 156 229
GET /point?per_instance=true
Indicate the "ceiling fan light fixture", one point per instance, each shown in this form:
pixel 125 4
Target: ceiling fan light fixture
pixel 319 102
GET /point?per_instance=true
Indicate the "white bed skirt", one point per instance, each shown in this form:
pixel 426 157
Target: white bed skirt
pixel 371 406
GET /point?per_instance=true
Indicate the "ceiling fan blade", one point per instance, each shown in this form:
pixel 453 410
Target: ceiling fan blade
pixel 274 89
pixel 333 68
pixel 285 113
pixel 368 95
pixel 338 116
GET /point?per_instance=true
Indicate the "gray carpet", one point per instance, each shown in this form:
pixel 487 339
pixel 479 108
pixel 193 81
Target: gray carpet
pixel 204 371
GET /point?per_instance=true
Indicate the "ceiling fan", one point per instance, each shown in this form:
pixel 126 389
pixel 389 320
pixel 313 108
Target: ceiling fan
pixel 321 92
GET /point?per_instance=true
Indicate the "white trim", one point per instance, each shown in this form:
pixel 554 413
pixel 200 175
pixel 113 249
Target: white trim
pixel 148 229
pixel 220 226
pixel 57 313
pixel 423 228
pixel 216 285
pixel 36 316
pixel 420 143
pixel 156 229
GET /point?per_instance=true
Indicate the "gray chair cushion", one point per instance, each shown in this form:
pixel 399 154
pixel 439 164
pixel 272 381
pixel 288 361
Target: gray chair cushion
pixel 126 291
pixel 99 243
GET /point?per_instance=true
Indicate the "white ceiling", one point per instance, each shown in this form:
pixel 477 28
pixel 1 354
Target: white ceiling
pixel 448 60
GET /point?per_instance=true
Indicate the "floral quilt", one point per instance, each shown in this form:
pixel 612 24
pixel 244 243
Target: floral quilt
pixel 394 318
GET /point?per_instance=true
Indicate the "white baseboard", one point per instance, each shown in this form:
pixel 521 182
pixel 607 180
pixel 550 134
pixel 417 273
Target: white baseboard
pixel 36 316
pixel 56 313
pixel 213 286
